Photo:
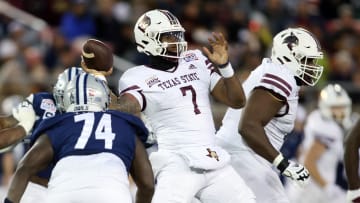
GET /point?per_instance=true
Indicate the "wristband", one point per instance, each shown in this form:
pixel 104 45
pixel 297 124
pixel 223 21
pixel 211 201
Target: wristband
pixel 281 163
pixel 7 201
pixel 226 70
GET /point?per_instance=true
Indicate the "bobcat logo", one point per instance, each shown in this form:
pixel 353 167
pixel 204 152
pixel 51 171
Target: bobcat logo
pixel 144 23
pixel 291 41
pixel 212 154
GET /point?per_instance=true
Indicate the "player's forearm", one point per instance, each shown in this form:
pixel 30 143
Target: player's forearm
pixel 254 135
pixel 11 136
pixel 18 185
pixel 144 195
pixel 315 174
pixel 351 161
pixel 126 103
pixel 7 122
pixel 234 92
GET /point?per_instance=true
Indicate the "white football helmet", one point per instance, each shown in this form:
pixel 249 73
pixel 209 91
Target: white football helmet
pixel 152 26
pixel 298 50
pixel 86 93
pixel 333 95
pixel 59 88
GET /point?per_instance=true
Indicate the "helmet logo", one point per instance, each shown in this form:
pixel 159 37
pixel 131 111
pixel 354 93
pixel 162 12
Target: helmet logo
pixel 144 23
pixel 291 41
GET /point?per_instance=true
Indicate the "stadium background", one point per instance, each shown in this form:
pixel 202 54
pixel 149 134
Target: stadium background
pixel 39 38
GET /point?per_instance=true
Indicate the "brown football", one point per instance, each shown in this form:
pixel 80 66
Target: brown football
pixel 97 55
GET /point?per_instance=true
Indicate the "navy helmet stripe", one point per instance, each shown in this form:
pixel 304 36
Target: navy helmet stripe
pixel 173 20
pixel 77 89
pixel 69 74
pixel 84 88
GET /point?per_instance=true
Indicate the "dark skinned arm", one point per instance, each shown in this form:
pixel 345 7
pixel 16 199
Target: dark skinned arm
pixel 10 136
pixel 7 122
pixel 36 159
pixel 126 103
pixel 142 174
pixel 229 91
pixel 351 157
pixel 261 107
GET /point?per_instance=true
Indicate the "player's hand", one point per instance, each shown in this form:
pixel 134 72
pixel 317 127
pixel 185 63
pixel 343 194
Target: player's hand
pixel 25 114
pixel 297 173
pixel 219 54
pixel 353 196
pixel 292 170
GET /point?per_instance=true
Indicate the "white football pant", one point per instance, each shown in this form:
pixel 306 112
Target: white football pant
pixel 34 193
pixel 257 173
pixel 89 179
pixel 177 183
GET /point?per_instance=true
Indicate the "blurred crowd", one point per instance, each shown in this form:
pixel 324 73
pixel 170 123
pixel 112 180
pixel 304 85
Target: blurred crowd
pixel 31 58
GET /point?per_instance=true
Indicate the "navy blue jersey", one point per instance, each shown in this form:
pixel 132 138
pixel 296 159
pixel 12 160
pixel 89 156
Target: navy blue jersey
pixel 44 106
pixel 93 132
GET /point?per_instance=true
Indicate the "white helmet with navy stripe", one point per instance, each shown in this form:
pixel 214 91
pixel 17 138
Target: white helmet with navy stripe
pixel 59 88
pixel 86 93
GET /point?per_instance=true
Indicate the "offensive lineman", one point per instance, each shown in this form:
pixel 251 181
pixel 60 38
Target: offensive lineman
pixel 269 114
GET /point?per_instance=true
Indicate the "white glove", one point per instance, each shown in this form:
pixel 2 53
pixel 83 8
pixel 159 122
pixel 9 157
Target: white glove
pixel 25 114
pixel 353 196
pixel 333 191
pixel 292 170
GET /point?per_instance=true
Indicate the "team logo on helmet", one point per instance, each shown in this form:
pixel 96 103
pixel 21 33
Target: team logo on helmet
pixel 291 41
pixel 144 23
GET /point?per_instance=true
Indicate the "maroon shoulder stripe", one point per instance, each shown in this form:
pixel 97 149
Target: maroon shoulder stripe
pixel 277 78
pixel 276 84
pixel 130 88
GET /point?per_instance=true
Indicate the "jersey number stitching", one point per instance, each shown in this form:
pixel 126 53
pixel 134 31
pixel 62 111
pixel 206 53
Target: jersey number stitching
pixel 193 96
pixel 103 130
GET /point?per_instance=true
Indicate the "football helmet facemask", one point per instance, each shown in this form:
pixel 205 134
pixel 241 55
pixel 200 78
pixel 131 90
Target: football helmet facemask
pixel 159 33
pixel 86 93
pixel 335 103
pixel 59 88
pixel 298 50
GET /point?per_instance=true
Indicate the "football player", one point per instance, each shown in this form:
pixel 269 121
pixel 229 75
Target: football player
pixel 253 135
pixel 29 114
pixel 351 162
pixel 322 147
pixel 93 150
pixel 173 93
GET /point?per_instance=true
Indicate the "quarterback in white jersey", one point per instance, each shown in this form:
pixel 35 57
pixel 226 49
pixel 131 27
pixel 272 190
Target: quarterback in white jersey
pixel 174 92
pixel 269 115
pixel 322 148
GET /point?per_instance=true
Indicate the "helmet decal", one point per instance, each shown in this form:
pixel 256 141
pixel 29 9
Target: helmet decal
pixel 144 23
pixel 291 41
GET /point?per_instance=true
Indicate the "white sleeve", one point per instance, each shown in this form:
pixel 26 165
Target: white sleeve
pixel 125 86
pixel 277 84
pixel 210 69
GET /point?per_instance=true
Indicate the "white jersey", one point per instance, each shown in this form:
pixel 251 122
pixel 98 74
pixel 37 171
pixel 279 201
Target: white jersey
pixel 274 78
pixel 329 133
pixel 176 102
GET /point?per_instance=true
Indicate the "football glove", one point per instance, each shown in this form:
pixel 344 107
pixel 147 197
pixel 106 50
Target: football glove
pixel 25 114
pixel 353 196
pixel 292 170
